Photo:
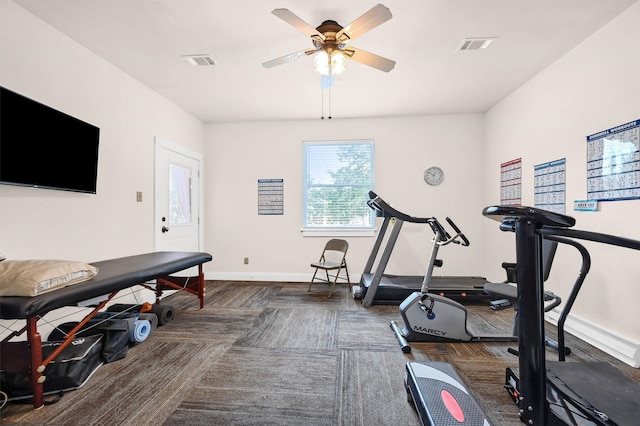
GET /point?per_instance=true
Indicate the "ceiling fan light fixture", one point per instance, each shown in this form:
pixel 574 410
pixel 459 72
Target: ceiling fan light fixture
pixel 321 62
pixel 338 62
pixel 324 66
pixel 331 42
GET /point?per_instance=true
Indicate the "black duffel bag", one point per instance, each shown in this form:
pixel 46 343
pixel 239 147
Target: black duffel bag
pixel 68 371
pixel 115 332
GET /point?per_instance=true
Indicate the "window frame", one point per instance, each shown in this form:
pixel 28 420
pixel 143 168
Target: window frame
pixel 328 230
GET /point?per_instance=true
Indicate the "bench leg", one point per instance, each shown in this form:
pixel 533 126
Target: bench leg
pixel 35 366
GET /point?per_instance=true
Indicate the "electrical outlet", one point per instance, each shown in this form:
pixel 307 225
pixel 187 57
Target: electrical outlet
pixel 246 260
pixel 139 196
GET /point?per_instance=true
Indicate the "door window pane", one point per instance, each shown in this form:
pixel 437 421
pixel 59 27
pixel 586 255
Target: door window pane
pixel 179 195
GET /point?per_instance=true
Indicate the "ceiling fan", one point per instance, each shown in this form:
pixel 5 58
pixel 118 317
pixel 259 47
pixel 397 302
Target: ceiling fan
pixel 331 41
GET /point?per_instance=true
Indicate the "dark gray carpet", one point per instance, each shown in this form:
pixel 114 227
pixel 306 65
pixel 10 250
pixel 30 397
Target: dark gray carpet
pixel 275 354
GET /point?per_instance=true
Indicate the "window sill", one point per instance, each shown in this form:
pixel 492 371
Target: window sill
pixel 306 232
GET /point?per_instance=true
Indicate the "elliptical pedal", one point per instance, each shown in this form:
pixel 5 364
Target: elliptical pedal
pixel 440 397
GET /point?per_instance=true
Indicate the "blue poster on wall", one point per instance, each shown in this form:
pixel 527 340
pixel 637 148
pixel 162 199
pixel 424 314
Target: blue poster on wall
pixel 550 185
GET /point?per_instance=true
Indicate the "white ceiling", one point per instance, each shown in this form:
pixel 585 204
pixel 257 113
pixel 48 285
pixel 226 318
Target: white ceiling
pixel 146 39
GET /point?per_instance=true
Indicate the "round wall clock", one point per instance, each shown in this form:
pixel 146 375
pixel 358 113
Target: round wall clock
pixel 434 175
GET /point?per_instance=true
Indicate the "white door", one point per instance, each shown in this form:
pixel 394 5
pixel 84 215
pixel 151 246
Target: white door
pixel 177 198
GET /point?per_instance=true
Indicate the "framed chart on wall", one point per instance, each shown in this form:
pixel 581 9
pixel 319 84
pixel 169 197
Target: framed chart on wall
pixel 511 183
pixel 613 163
pixel 550 185
pixel 270 196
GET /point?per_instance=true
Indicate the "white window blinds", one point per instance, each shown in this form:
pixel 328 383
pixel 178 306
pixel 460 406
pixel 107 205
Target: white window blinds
pixel 338 176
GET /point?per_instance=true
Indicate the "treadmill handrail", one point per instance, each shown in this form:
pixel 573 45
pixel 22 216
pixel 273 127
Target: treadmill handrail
pixel 575 289
pixel 377 203
pixel 551 223
pixel 592 236
pixel 505 214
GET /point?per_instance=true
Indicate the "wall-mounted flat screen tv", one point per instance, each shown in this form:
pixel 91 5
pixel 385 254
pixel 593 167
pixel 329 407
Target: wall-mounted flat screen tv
pixel 45 148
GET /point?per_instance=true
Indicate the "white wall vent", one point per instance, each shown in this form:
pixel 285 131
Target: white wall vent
pixel 199 60
pixel 477 43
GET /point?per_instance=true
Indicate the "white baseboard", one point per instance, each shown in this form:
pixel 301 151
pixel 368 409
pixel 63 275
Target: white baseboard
pixel 616 346
pixel 267 276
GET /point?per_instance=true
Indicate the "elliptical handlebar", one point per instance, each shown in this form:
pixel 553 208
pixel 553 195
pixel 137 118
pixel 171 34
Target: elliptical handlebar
pixel 508 224
pixel 465 241
pixel 445 237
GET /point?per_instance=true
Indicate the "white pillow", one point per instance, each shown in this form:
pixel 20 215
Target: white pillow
pixel 34 277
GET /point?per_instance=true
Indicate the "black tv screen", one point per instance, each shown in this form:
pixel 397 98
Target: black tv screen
pixel 45 148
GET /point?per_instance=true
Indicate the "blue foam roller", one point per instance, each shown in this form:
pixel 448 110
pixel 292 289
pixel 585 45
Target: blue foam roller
pixel 140 331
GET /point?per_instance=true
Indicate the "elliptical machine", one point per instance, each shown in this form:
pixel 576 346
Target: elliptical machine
pixel 432 318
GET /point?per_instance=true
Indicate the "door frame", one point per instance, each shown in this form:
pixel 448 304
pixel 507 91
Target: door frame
pixel 185 152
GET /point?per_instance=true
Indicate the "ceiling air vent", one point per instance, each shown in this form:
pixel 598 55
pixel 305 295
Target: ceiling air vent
pixel 199 60
pixel 478 43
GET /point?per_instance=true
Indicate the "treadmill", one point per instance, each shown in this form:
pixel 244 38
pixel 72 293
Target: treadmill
pixel 378 288
pixel 559 392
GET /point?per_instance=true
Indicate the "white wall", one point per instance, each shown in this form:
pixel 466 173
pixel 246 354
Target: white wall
pixel 240 154
pixel 594 87
pixel 41 63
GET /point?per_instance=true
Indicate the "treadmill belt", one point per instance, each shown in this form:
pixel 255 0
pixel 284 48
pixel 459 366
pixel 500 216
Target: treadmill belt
pixel 436 283
pixel 393 289
pixel 603 386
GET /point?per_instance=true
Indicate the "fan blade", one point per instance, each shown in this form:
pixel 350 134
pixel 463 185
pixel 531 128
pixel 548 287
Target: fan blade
pixel 287 58
pixel 377 15
pixel 292 19
pixel 370 59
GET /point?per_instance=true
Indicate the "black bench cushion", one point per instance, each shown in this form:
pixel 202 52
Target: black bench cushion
pixel 113 275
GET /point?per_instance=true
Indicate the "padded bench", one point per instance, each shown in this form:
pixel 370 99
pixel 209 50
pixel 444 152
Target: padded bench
pixel 114 275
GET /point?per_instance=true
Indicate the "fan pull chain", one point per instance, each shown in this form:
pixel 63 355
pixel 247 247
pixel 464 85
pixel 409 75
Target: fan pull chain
pixel 327 82
pixel 329 102
pixel 322 99
pixel 330 78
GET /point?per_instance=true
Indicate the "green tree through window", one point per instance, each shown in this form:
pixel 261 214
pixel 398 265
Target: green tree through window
pixel 337 179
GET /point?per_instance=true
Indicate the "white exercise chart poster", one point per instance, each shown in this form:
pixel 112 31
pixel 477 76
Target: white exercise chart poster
pixel 550 185
pixel 270 196
pixel 511 183
pixel 613 163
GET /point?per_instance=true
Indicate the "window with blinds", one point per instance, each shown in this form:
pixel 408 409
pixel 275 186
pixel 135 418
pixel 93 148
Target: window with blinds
pixel 338 176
